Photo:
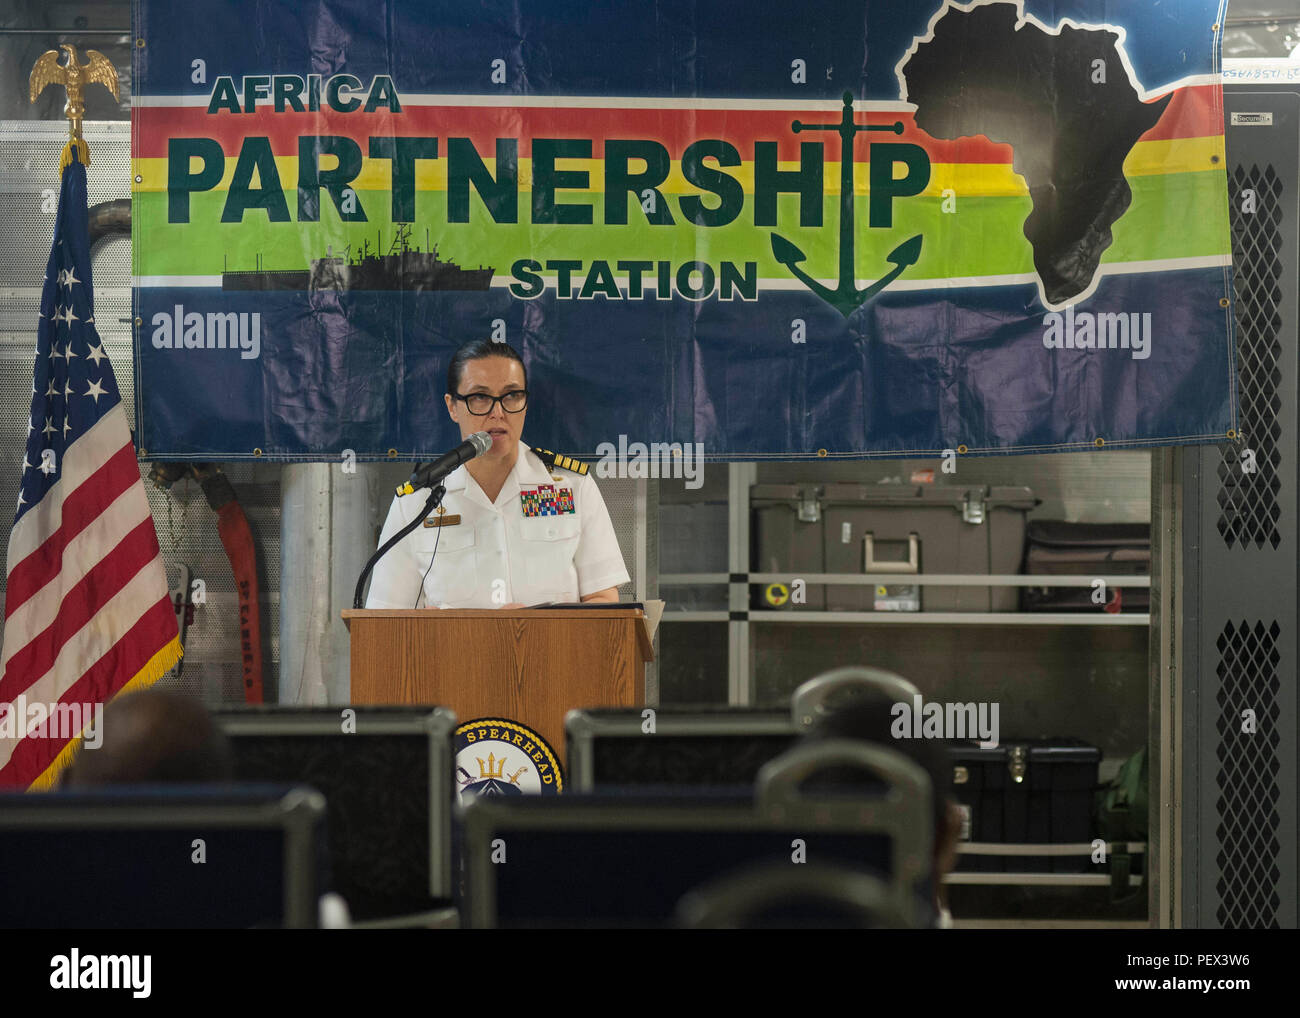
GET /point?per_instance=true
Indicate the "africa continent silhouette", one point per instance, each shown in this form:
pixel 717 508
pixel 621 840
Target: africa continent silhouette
pixel 1070 120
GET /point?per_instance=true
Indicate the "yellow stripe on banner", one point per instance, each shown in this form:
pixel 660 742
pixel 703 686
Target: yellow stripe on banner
pixel 972 180
pixel 155 668
pixel 431 175
pixel 1178 155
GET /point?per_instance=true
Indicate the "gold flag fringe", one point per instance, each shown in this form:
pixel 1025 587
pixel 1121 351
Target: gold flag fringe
pixel 156 667
pixel 77 149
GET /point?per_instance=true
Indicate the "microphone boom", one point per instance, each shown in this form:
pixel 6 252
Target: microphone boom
pixel 425 474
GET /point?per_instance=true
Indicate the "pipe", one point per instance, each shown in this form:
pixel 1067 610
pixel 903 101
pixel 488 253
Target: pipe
pixel 108 218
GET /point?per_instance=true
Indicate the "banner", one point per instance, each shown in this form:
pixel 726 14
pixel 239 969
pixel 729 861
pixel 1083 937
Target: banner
pixel 836 229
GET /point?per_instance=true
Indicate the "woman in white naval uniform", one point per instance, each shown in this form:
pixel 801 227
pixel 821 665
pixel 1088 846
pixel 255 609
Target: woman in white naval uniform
pixel 514 530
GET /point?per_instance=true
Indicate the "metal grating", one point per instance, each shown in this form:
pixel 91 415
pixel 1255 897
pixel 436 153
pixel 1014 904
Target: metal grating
pixel 1248 502
pixel 1247 778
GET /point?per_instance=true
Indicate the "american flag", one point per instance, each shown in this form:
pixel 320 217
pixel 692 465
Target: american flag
pixel 87 610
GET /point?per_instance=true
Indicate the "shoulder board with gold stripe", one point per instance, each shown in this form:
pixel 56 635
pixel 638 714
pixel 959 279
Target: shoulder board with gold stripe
pixel 552 460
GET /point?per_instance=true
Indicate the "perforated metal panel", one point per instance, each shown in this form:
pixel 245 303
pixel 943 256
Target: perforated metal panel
pixel 1248 489
pixel 1249 849
pixel 1238 777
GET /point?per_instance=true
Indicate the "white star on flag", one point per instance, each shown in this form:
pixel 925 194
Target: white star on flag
pixel 96 391
pixel 49 428
pixel 97 354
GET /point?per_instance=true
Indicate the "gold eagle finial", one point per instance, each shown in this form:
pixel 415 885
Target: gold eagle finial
pixel 74 76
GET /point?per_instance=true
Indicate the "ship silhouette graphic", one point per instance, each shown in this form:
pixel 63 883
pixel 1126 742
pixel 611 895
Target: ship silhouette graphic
pixel 402 267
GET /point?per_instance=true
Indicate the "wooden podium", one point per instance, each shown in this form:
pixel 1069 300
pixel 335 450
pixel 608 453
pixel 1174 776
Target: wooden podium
pixel 531 665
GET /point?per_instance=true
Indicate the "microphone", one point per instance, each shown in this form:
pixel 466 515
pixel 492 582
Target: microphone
pixel 425 474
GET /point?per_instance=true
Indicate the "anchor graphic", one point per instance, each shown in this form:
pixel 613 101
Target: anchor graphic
pixel 846 297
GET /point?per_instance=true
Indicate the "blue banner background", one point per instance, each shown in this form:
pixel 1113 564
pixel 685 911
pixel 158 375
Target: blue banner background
pixel 913 372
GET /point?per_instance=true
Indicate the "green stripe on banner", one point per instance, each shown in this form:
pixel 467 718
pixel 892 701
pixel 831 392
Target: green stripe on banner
pixel 983 237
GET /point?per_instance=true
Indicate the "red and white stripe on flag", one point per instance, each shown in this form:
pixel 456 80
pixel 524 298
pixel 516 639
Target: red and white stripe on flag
pixel 87 609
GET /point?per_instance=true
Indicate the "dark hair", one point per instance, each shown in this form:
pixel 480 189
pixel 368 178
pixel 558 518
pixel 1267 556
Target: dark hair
pixel 153 737
pixel 477 349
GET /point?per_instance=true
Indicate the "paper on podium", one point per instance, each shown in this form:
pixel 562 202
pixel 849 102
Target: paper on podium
pixel 654 611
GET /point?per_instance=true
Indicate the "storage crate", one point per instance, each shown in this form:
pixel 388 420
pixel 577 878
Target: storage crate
pixel 1026 791
pixel 893 528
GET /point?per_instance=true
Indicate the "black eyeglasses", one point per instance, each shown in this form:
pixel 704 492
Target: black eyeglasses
pixel 480 404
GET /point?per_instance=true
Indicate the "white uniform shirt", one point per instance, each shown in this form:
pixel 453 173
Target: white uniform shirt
pixel 546 538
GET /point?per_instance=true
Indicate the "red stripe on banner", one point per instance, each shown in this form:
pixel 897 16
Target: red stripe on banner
pixel 1194 112
pixel 674 129
pixel 97 685
pixel 80 508
pixel 135 551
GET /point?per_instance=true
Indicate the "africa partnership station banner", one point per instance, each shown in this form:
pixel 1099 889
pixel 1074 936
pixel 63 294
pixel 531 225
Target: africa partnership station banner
pixel 777 230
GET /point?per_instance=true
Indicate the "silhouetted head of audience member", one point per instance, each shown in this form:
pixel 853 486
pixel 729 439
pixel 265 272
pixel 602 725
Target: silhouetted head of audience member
pixel 869 718
pixel 153 738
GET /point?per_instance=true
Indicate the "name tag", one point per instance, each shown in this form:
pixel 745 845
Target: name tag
pixel 442 521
